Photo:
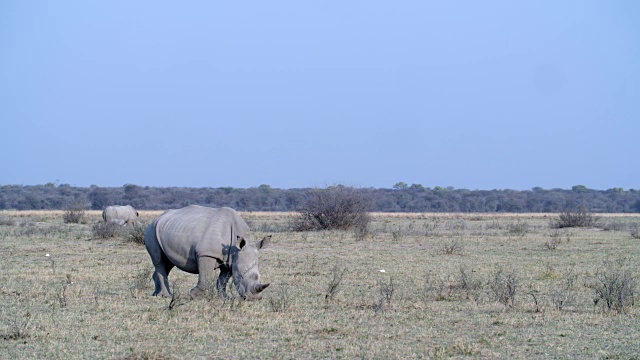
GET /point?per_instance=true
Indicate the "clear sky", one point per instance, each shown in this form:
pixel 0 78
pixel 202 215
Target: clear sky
pixel 469 94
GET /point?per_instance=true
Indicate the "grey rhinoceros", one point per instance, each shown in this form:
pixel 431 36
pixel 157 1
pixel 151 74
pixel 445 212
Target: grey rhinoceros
pixel 121 215
pixel 199 240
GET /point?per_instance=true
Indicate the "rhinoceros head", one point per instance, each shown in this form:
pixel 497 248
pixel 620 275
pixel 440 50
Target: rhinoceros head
pixel 246 276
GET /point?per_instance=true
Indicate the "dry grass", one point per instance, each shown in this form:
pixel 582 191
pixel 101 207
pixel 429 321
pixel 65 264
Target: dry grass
pixel 89 297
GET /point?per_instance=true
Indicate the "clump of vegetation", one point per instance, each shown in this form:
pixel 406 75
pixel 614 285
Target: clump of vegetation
pixel 614 226
pixel 563 293
pixel 334 284
pixel 140 283
pixel 504 286
pixel 136 354
pixel 397 235
pixel 75 213
pixel 451 287
pixel 5 221
pixel 615 285
pixel 62 294
pixel 107 230
pixel 177 297
pixel 136 234
pixel 579 218
pixel 334 208
pixel 469 285
pixel 281 299
pixel 385 297
pixel 452 246
pixel 18 329
pixel 554 240
pixel 634 231
pixel 519 229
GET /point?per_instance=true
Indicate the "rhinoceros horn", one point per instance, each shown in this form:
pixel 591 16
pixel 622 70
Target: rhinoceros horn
pixel 258 288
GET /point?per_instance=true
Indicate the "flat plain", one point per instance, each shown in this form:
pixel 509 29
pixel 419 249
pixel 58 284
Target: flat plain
pixel 412 286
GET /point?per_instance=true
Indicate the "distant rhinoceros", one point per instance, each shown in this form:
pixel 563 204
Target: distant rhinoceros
pixel 199 240
pixel 121 215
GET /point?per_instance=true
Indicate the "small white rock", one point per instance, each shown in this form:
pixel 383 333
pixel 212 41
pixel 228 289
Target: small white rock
pixel 47 255
pixel 382 270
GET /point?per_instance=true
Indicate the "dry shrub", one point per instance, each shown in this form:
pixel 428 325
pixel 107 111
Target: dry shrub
pixel 136 233
pixel 106 230
pixel 280 299
pixel 563 293
pixel 361 233
pixel 634 230
pixel 463 286
pixel 520 228
pixel 334 284
pixel 504 286
pixel 554 240
pixel 137 354
pixel 76 213
pixel 441 288
pixel 614 226
pixel 385 297
pixel 615 284
pixel 397 235
pixel 140 283
pixel 18 329
pixel 5 221
pixel 452 246
pixel 579 218
pixel 469 285
pixel 334 208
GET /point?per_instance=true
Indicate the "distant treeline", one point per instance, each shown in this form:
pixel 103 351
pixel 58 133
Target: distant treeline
pixel 400 198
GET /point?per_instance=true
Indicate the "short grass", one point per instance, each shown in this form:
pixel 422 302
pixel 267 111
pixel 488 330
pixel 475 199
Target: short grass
pixel 90 298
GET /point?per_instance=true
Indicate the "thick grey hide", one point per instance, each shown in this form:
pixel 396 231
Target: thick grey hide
pixel 121 215
pixel 199 240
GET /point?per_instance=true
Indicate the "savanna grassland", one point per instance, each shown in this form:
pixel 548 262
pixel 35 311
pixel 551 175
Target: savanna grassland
pixel 412 286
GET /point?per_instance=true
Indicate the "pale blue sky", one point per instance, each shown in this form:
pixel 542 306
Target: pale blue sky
pixel 469 94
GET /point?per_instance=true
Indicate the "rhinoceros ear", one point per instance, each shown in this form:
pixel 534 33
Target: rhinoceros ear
pixel 264 242
pixel 241 242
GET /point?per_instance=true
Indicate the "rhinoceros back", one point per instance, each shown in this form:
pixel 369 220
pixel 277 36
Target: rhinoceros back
pixel 117 212
pixel 193 231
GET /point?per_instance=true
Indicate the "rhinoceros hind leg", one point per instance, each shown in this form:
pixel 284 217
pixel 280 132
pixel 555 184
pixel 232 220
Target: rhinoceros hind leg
pixel 161 278
pixel 161 285
pixel 160 262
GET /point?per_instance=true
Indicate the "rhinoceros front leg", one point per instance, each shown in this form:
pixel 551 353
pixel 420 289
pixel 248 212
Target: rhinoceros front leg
pixel 206 268
pixel 223 279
